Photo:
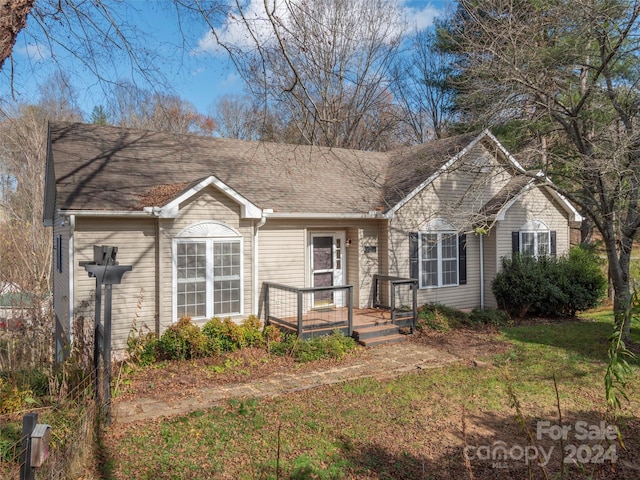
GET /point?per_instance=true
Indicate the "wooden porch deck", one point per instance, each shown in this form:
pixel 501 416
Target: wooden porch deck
pixel 324 320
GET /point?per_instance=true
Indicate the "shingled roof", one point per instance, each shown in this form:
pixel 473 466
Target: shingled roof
pixel 120 169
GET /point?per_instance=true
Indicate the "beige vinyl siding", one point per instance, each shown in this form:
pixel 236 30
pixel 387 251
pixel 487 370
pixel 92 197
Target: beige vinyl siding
pixel 368 263
pixel 210 205
pixel 535 204
pixel 490 267
pixel 282 257
pixel 454 196
pixel 352 257
pixel 284 253
pixel 135 296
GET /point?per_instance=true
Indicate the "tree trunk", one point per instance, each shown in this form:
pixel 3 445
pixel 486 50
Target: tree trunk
pixel 619 263
pixel 13 18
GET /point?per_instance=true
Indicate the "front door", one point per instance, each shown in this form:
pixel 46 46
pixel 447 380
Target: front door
pixel 327 267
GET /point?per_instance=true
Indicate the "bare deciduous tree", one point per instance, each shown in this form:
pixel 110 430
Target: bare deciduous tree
pixel 323 65
pixel 568 71
pixel 138 108
pixel 421 87
pixel 235 116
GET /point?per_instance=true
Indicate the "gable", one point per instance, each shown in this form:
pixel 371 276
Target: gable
pixel 479 157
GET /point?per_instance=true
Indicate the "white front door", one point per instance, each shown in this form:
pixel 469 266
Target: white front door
pixel 327 266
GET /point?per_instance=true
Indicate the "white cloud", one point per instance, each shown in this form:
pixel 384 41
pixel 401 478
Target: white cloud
pixel 234 31
pixel 33 51
pixel 421 14
pixel 417 13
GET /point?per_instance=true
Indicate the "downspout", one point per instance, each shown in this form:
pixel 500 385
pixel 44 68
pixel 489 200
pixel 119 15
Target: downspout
pixel 158 276
pixel 481 271
pixel 72 297
pixel 256 287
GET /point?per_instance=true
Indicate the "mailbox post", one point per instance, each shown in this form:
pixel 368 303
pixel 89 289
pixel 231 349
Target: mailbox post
pixel 107 272
pixel 35 445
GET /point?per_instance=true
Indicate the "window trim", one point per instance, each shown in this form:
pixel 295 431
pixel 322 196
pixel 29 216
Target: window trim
pixel 210 233
pixel 439 228
pixel 535 227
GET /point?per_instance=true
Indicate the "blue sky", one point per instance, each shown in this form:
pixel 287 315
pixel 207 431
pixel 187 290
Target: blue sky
pixel 194 71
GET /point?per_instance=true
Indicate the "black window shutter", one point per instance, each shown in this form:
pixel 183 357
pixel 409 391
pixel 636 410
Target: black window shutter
pixel 59 253
pixel 462 259
pixel 413 255
pixel 515 242
pixel 552 237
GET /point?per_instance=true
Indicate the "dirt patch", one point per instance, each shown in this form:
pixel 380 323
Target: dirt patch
pixel 473 345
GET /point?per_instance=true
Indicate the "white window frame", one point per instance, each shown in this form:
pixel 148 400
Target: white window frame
pixel 209 233
pixel 535 228
pixel 439 228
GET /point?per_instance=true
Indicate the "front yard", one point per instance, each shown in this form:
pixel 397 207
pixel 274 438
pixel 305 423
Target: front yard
pixel 416 426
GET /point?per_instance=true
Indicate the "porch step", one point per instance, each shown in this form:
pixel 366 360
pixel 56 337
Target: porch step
pixel 375 335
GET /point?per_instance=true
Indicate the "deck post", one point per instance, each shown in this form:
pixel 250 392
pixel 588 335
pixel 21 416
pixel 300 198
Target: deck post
pixel 376 279
pixel 350 312
pixel 266 303
pixel 299 293
pixel 415 306
pixel 393 301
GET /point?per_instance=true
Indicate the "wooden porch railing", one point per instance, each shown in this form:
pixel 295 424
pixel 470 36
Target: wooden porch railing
pixel 310 310
pixel 393 293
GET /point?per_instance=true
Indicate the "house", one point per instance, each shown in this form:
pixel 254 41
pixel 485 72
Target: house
pixel 226 228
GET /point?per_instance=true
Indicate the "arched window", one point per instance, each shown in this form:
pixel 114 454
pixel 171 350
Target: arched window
pixel 207 271
pixel 534 238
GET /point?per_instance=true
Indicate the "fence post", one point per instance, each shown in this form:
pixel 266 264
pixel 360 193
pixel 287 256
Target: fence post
pixel 266 303
pixel 375 291
pixel 28 424
pixel 350 311
pixel 299 313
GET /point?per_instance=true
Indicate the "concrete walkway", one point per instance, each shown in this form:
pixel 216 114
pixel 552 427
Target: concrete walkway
pixel 384 361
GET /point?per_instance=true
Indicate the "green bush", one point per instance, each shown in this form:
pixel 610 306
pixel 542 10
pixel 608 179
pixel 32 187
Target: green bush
pixel 227 336
pixel 489 316
pixel 333 346
pixel 583 281
pixel 182 341
pixel 549 286
pixel 223 335
pixel 440 317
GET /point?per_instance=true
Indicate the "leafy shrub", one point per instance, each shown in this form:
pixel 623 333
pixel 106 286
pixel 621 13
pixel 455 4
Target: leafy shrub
pixel 548 285
pixel 183 340
pixel 251 332
pixel 583 280
pixel 227 336
pixel 143 350
pixel 14 398
pixel 223 335
pixel 333 346
pixel 142 345
pixel 10 434
pixel 440 317
pixel 489 316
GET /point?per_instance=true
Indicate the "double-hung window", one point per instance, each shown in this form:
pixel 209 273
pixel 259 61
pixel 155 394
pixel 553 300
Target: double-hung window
pixel 438 255
pixel 208 277
pixel 534 238
pixel 438 259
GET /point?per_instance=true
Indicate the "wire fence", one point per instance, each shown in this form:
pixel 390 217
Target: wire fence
pixel 73 420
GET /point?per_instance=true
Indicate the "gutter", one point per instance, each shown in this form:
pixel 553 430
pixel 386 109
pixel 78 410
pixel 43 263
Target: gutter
pixel 107 213
pixel 71 256
pixel 326 216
